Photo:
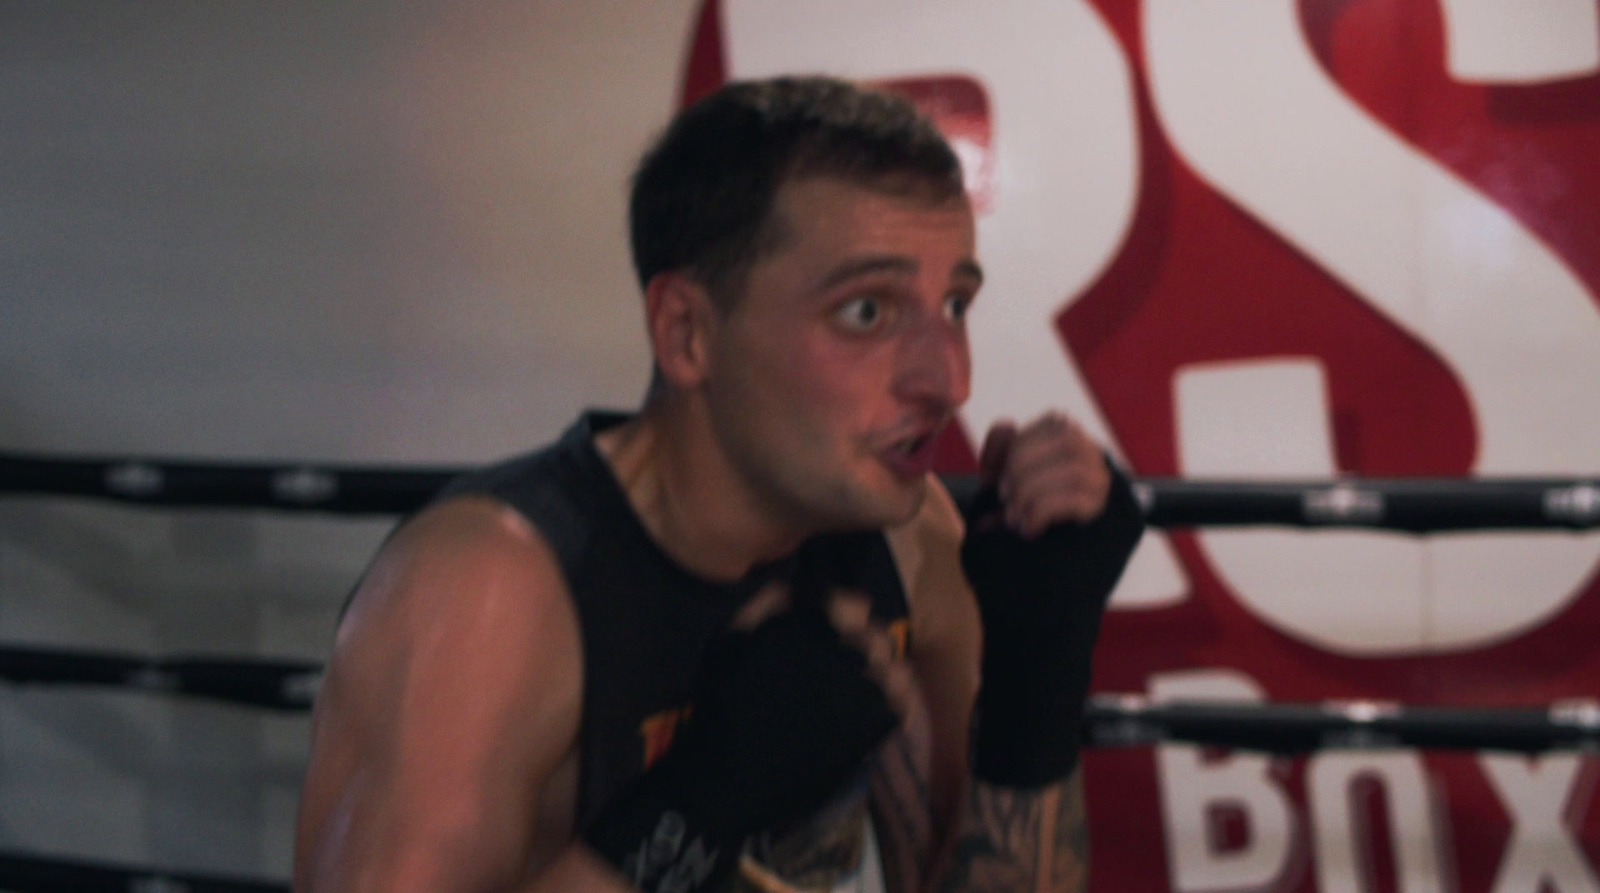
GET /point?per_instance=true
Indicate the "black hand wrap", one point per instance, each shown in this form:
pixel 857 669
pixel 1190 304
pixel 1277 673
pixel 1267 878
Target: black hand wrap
pixel 1041 603
pixel 783 716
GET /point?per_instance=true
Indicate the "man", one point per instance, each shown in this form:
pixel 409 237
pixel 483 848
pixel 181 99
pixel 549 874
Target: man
pixel 728 642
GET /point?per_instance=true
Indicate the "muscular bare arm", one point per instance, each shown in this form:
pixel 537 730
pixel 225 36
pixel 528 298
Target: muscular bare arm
pixel 451 703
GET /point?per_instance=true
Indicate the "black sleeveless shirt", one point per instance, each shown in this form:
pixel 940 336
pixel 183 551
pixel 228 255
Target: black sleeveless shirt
pixel 645 621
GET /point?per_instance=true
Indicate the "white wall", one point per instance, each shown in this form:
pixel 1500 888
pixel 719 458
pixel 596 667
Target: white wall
pixel 330 231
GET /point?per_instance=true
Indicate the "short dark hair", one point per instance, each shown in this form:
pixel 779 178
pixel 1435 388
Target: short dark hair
pixel 703 195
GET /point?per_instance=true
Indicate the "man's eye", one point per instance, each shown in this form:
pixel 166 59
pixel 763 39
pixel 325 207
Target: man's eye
pixel 955 307
pixel 860 314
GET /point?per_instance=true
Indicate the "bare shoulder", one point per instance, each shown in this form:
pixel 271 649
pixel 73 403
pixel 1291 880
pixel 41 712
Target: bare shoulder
pixel 466 587
pixel 452 696
pixel 462 562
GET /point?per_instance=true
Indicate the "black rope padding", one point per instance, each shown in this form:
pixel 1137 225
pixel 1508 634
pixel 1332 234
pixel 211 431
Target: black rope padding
pixel 1287 728
pixel 26 873
pixel 323 488
pixel 271 684
pixel 1415 505
pixel 1111 720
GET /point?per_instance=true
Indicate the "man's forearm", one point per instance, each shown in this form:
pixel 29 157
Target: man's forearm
pixel 1019 840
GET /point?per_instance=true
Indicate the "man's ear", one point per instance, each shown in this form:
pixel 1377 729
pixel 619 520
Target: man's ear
pixel 679 315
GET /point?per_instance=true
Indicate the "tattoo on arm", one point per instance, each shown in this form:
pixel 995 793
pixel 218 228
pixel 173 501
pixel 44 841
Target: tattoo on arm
pixel 904 816
pixel 1014 840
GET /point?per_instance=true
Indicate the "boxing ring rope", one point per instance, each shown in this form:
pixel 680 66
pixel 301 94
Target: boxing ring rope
pixel 335 489
pixel 1411 505
pixel 32 874
pixel 1405 505
pixel 282 685
pixel 1286 728
pixel 1111 720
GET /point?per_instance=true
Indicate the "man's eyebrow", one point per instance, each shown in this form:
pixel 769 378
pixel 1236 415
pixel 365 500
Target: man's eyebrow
pixel 865 266
pixel 890 263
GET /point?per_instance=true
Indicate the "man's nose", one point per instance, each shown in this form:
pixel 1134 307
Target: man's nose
pixel 935 367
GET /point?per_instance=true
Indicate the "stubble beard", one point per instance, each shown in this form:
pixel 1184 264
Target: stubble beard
pixel 809 495
pixel 821 502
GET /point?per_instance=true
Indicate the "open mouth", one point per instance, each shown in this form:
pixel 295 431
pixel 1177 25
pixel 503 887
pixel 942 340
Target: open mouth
pixel 911 445
pixel 912 457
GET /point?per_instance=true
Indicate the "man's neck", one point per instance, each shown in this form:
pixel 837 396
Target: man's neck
pixel 689 497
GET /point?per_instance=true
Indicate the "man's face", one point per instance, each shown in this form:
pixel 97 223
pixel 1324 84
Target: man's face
pixel 846 355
